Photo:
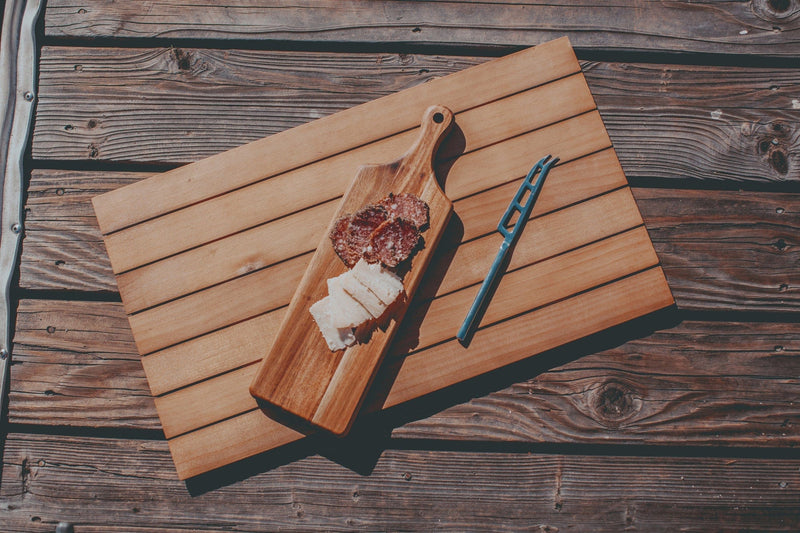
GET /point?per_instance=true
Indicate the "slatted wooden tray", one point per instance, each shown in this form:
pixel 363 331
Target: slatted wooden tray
pixel 207 256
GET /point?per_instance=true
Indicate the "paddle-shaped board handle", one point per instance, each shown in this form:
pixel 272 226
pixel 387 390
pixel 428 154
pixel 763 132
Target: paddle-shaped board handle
pixel 301 379
pixel 434 127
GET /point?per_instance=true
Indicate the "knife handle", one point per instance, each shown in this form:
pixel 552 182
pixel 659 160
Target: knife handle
pixel 475 311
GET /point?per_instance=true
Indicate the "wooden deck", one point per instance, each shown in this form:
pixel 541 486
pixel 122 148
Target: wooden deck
pixel 688 419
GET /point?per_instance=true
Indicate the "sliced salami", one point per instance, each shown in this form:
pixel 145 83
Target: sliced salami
pixel 392 242
pixel 362 223
pixel 387 232
pixel 408 207
pixel 338 236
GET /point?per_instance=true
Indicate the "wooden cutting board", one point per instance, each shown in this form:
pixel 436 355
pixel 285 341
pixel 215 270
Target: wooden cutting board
pixel 208 256
pixel 299 375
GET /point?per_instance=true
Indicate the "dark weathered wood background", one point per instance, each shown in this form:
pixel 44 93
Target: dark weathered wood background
pixel 686 420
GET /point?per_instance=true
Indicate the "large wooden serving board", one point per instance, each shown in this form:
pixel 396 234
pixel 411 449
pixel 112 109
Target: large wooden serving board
pixel 209 255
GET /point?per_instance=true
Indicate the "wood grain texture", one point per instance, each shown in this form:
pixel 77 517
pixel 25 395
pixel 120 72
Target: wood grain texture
pixel 217 307
pixel 423 372
pixel 730 255
pixel 708 241
pixel 662 387
pixel 696 383
pixel 62 242
pixel 222 304
pixel 502 344
pixel 428 325
pixel 234 346
pixel 765 28
pixel 530 286
pixel 80 367
pixel 268 289
pixel 475 145
pixel 193 87
pixel 214 353
pixel 706 123
pixel 765 251
pixel 294 234
pixel 129 485
pixel 333 134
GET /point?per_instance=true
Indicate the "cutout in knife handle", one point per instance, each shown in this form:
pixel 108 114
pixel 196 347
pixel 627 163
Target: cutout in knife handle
pixel 300 376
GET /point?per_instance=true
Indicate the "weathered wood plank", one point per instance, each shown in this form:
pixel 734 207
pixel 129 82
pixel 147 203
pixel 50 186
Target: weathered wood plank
pixel 130 485
pixel 708 241
pixel 696 383
pixel 18 54
pixel 77 362
pixel 765 28
pixel 175 106
pixel 62 243
pixel 254 95
pixel 708 383
pixel 757 231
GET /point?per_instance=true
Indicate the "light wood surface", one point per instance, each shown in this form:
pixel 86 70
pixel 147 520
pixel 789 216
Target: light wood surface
pixel 586 214
pixel 202 223
pixel 436 322
pixel 445 364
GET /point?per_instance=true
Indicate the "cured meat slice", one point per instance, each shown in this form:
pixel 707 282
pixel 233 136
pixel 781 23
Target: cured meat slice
pixel 362 223
pixel 386 232
pixel 338 236
pixel 408 207
pixel 392 242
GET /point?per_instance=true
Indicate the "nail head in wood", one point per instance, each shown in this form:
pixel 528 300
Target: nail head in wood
pixel 65 527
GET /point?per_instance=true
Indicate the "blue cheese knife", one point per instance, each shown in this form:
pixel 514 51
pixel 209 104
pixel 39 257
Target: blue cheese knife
pixel 511 230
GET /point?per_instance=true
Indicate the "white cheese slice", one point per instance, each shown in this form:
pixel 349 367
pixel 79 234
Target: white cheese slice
pixel 362 294
pixel 384 284
pixel 346 312
pixel 337 338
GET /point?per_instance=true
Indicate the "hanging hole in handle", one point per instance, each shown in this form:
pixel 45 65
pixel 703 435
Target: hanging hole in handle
pixel 438 118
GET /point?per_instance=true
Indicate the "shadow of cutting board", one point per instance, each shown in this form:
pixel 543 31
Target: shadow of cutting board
pixel 208 256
